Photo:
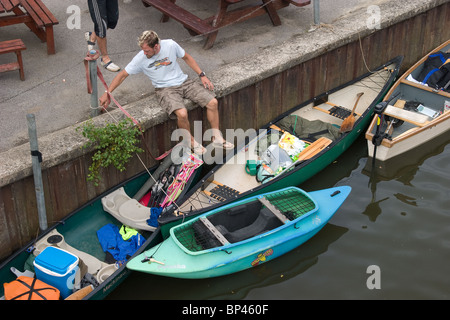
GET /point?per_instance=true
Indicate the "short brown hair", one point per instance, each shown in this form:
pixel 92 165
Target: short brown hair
pixel 149 37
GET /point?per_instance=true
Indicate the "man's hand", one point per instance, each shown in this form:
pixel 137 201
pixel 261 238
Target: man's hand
pixel 105 100
pixel 194 66
pixel 207 84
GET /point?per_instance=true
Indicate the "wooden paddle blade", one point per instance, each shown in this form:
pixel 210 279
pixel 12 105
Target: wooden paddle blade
pixel 349 122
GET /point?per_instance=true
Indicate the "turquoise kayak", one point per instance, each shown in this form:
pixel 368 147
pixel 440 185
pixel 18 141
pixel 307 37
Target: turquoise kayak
pixel 241 235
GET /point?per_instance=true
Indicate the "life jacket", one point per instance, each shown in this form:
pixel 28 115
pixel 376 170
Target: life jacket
pixel 435 70
pixel 444 82
pixel 26 288
pixel 127 232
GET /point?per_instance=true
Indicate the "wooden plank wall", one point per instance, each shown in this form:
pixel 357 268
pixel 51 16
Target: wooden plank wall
pixel 65 185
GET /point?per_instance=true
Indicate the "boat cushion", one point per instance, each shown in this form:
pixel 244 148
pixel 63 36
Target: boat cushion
pixel 444 82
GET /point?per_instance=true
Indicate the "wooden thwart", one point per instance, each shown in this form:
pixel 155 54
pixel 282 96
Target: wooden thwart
pixel 405 115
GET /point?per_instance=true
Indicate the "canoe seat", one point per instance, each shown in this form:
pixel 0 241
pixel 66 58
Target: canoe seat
pixel 264 222
pixel 235 224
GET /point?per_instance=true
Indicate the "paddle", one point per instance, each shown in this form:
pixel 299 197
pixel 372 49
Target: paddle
pixel 349 122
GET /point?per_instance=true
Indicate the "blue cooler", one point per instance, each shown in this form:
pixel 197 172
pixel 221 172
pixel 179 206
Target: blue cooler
pixel 57 267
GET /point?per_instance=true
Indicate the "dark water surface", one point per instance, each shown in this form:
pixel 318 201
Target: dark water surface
pixel 398 221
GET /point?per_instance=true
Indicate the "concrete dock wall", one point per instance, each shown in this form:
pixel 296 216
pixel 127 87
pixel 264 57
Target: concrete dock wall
pixel 251 92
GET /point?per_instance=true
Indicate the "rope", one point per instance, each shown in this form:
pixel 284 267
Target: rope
pixel 92 57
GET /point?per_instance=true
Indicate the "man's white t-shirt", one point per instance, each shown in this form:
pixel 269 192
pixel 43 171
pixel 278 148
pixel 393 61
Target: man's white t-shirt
pixel 163 68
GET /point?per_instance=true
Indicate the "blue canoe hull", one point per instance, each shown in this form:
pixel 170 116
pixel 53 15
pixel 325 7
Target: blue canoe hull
pixel 173 261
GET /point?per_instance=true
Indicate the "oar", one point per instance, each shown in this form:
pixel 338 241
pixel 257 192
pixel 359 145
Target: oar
pixel 349 122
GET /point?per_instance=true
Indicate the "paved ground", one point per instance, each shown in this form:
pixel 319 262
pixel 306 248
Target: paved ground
pixel 55 85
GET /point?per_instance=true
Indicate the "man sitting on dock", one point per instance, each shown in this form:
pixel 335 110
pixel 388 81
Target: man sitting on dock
pixel 158 60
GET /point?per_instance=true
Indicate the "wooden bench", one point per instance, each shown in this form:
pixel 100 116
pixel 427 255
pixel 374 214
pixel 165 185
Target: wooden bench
pixel 15 46
pixel 35 15
pixel 210 26
pixel 43 20
pixel 194 24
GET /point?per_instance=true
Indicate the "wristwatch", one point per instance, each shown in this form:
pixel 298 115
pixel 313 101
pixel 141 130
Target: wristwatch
pixel 202 74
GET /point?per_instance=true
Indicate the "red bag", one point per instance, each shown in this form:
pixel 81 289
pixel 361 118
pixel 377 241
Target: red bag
pixel 26 288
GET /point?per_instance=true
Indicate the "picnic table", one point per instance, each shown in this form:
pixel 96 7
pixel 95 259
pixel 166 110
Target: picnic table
pixel 34 14
pixel 223 17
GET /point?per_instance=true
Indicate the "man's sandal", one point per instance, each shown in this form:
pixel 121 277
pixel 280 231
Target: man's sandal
pixel 198 149
pixel 110 66
pixel 91 44
pixel 224 145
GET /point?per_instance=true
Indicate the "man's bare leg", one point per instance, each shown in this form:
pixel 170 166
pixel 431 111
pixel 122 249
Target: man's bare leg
pixel 183 123
pixel 212 114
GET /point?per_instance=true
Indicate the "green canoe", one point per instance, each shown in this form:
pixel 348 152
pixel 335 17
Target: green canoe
pixel 323 116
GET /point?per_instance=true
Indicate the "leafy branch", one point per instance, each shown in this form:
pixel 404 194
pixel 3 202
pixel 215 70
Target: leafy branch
pixel 114 143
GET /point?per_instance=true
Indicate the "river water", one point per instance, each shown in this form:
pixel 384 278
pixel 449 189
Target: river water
pixel 389 240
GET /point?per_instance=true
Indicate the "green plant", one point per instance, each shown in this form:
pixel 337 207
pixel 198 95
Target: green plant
pixel 114 143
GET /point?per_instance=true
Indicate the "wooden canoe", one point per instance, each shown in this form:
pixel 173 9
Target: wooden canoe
pixel 414 113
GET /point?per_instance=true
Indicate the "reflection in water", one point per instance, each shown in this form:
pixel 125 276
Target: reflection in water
pixel 373 209
pixel 406 199
pixel 404 168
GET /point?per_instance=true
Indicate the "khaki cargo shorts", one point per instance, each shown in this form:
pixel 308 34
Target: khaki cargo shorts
pixel 171 98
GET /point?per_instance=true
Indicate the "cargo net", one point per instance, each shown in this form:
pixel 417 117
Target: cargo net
pixel 197 236
pixel 292 203
pixel 190 239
